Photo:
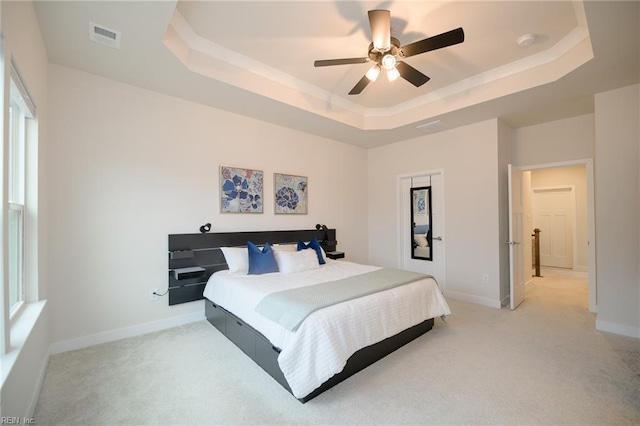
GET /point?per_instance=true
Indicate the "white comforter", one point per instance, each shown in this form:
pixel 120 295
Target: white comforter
pixel 320 347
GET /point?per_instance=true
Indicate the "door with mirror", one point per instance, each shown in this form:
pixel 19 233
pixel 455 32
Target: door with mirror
pixel 422 244
pixel 421 223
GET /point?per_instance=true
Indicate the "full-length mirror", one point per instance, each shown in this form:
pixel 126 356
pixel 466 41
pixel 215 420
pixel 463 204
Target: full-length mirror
pixel 421 223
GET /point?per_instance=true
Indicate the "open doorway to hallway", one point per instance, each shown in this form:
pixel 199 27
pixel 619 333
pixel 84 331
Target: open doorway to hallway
pixel 559 202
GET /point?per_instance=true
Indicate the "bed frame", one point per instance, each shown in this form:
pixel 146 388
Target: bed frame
pixel 203 251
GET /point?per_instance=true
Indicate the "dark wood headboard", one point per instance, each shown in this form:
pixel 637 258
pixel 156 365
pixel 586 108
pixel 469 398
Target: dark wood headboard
pixel 194 257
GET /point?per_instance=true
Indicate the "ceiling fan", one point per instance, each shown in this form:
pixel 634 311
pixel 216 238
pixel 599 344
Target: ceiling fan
pixel 386 52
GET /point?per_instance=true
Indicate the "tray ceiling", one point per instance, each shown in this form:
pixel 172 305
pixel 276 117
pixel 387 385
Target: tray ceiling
pixel 256 58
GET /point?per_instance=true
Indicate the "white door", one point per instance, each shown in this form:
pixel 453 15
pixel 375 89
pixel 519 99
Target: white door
pixel 436 266
pixel 553 215
pixel 517 274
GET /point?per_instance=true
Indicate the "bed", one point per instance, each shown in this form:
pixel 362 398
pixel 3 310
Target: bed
pixel 329 344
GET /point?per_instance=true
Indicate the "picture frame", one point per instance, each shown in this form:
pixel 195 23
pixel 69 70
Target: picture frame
pixel 241 190
pixel 291 194
pixel 420 207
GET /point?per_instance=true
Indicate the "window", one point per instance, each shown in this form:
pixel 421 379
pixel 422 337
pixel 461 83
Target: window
pixel 16 180
pixel 21 109
pixel 19 307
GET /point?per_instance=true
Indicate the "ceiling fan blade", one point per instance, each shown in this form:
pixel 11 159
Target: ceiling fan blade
pixel 380 21
pixel 346 61
pixel 359 87
pixel 432 43
pixel 411 74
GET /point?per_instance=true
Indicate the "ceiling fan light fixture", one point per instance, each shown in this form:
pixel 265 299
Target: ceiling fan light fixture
pixel 387 52
pixel 388 62
pixel 393 74
pixel 373 73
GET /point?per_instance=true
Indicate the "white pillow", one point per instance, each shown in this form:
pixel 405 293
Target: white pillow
pixel 421 240
pixel 285 247
pixel 290 262
pixel 237 258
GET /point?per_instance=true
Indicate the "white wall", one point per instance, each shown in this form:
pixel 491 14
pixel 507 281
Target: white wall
pixel 129 166
pixel 27 357
pixel 555 142
pixel 469 157
pixel 617 210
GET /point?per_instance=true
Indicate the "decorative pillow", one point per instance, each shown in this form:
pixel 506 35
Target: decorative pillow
pixel 237 258
pixel 421 240
pixel 261 261
pixel 315 245
pixel 290 262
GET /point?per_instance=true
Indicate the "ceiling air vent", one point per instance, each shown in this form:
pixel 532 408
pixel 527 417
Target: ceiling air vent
pixel 432 126
pixel 104 35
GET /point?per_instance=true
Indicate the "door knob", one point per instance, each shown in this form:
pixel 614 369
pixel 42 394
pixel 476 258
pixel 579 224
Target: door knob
pixel 437 238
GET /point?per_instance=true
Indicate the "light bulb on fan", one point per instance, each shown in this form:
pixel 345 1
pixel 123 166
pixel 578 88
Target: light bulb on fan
pixel 373 73
pixel 393 74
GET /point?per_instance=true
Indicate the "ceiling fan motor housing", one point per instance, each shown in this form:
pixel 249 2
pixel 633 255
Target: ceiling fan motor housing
pixel 376 55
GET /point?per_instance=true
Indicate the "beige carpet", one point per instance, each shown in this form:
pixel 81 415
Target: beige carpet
pixel 542 364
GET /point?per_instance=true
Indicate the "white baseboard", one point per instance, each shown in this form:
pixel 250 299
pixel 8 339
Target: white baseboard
pixel 478 300
pixel 122 333
pixel 625 330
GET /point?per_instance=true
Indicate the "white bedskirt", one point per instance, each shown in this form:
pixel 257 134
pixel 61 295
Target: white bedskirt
pixel 323 343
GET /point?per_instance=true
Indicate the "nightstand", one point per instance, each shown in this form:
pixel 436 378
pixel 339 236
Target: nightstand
pixel 335 255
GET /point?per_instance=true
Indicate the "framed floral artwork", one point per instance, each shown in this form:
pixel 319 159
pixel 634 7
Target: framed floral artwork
pixel 291 194
pixel 240 190
pixel 420 202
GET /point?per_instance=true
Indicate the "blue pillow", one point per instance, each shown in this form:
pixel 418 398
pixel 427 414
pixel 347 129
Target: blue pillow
pixel 313 244
pixel 261 261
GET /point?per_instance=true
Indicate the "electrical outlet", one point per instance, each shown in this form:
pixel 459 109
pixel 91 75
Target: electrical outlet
pixel 485 278
pixel 153 295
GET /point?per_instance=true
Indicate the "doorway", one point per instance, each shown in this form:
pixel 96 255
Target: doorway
pixel 561 205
